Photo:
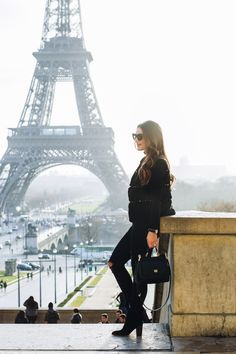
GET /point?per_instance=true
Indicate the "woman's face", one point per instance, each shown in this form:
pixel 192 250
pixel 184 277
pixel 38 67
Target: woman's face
pixel 139 140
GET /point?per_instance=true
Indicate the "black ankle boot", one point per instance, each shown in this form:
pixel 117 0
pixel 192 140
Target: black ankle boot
pixel 133 321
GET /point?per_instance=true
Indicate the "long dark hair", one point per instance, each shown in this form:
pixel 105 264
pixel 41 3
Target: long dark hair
pixel 152 134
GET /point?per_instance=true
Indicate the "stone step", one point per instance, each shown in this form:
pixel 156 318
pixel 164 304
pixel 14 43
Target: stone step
pixel 82 337
pixel 92 352
pixel 92 338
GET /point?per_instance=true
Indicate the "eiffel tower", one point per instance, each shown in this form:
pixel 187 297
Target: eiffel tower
pixel 35 145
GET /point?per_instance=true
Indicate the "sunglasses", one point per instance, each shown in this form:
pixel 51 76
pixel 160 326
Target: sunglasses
pixel 139 137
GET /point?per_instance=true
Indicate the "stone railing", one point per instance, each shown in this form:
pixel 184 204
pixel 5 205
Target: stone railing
pixel 202 252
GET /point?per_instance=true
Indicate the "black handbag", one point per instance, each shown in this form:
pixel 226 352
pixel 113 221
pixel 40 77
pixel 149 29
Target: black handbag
pixel 152 270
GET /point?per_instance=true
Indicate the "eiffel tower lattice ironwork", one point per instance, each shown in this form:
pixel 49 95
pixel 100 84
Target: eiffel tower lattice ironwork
pixel 35 145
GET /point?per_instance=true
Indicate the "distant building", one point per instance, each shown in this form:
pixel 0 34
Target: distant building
pixel 71 217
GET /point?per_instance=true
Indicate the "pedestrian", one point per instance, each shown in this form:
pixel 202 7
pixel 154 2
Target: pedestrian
pixel 28 275
pixel 77 317
pixel 122 318
pixel 51 315
pixel 31 309
pixel 21 317
pixel 31 275
pixel 118 313
pixel 5 285
pixel 149 198
pixel 104 318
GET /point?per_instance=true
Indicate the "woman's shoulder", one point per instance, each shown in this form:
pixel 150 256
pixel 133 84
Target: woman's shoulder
pixel 161 163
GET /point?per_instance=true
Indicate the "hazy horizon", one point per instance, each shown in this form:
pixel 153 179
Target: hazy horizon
pixel 169 61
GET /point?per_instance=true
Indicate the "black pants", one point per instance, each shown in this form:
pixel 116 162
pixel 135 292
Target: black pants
pixel 132 245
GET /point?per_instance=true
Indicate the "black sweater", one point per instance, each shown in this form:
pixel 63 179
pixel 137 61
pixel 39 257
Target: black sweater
pixel 147 203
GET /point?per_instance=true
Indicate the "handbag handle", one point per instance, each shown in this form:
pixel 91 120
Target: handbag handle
pixel 149 253
pixel 167 297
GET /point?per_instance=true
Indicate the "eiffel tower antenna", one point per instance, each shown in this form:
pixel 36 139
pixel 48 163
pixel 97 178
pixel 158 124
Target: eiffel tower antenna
pixel 35 145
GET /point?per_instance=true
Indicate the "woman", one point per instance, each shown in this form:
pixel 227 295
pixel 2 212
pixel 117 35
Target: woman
pixel 149 198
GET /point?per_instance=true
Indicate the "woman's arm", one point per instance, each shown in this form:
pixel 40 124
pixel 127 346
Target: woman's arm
pixel 160 176
pixel 152 239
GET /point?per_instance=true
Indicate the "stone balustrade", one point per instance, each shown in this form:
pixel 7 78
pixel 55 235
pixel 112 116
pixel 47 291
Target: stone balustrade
pixel 202 252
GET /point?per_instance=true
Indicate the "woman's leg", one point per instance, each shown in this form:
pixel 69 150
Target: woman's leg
pixel 117 261
pixel 135 239
pixel 139 248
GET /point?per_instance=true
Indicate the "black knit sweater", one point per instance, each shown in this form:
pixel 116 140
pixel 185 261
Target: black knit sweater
pixel 147 203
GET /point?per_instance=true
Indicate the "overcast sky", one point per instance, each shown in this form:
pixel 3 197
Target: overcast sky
pixel 170 61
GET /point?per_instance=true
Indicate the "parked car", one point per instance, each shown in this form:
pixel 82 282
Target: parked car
pixel 7 243
pixel 33 265
pixel 43 256
pixel 18 237
pixel 24 266
pixel 14 228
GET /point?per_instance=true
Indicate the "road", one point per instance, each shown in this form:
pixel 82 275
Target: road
pixel 31 286
pixel 16 247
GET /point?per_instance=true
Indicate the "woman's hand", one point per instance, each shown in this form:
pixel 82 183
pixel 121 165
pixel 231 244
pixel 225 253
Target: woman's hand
pixel 152 239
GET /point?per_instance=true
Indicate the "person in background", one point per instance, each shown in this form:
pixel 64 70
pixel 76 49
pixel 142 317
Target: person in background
pixel 77 317
pixel 104 318
pixel 122 318
pixel 31 309
pixel 51 315
pixel 118 313
pixel 21 317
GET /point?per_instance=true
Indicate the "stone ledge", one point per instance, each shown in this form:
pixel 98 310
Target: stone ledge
pixel 198 222
pixel 203 325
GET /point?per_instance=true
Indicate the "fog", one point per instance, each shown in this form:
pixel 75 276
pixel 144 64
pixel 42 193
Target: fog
pixel 170 61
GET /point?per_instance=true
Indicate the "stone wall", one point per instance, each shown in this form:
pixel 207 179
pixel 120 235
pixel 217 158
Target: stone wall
pixel 202 251
pixel 88 316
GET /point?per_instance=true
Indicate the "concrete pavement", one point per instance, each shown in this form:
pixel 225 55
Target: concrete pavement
pixel 106 291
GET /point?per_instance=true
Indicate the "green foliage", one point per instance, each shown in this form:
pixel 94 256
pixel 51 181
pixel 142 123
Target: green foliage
pixel 98 277
pixel 103 270
pixel 70 295
pixel 78 301
pixel 10 278
pixel 95 280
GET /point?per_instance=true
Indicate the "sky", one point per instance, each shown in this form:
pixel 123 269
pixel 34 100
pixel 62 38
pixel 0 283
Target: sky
pixel 172 61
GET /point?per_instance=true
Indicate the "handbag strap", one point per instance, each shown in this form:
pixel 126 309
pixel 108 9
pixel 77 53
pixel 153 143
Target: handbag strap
pixel 149 253
pixel 167 298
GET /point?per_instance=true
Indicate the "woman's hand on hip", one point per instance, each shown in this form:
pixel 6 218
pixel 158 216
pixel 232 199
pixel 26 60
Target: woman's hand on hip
pixel 152 239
